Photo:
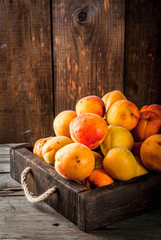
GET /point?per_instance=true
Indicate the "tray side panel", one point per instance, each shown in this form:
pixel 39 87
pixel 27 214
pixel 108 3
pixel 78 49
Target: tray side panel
pixel 43 177
pixel 103 206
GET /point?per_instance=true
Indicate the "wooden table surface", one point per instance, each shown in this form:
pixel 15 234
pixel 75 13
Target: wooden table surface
pixel 20 219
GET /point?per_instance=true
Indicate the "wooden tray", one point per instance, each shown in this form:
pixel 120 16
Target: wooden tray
pixel 88 209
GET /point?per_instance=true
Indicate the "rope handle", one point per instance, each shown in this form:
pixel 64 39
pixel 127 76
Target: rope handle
pixel 28 194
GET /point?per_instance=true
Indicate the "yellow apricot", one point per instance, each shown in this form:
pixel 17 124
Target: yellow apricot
pixel 120 163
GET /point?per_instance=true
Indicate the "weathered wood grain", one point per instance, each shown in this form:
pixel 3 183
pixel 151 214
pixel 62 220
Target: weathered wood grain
pixel 26 109
pixel 4 150
pixel 88 49
pixel 43 222
pixel 143 52
pixel 4 168
pixel 7 182
pixel 4 160
pixel 34 222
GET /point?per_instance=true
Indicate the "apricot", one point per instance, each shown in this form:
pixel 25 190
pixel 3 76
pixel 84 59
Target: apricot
pixel 62 121
pixel 150 153
pixel 37 149
pixel 123 113
pixel 115 137
pixel 98 178
pixel 88 129
pixel 74 161
pixel 120 163
pixel 111 97
pixel 140 169
pixel 52 146
pixel 98 160
pixel 90 104
pixel 149 123
pixel 153 107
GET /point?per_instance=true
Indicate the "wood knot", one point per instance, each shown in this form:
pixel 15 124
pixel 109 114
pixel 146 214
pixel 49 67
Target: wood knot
pixel 82 16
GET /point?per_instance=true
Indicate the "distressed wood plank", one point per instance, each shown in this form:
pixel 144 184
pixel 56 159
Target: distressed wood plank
pixel 4 150
pixel 34 222
pixel 4 158
pixel 88 49
pixel 11 193
pixel 26 109
pixel 7 182
pixel 143 52
pixel 4 168
pixel 43 222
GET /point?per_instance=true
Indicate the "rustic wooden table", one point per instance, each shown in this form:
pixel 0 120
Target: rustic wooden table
pixel 20 219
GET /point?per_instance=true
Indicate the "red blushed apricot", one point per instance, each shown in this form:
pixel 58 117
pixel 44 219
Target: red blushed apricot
pixel 153 107
pixel 90 104
pixel 148 124
pixel 98 178
pixel 88 129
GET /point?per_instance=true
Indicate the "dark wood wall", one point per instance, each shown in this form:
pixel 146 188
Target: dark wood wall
pixel 54 52
pixel 88 45
pixel 143 51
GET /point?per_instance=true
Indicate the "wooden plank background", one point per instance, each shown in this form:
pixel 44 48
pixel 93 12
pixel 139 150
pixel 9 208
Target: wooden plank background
pixel 26 100
pixel 87 51
pixel 54 52
pixel 143 52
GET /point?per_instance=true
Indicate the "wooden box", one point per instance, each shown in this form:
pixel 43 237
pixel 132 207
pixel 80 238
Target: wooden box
pixel 88 209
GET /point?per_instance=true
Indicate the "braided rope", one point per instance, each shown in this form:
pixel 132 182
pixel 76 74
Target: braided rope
pixel 28 194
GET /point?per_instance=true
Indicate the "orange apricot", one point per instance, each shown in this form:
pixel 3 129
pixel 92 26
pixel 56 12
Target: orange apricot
pixel 62 121
pixel 74 161
pixel 98 178
pixel 90 104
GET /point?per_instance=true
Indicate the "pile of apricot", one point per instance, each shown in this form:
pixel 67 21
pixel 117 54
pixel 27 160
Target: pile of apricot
pixel 104 140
